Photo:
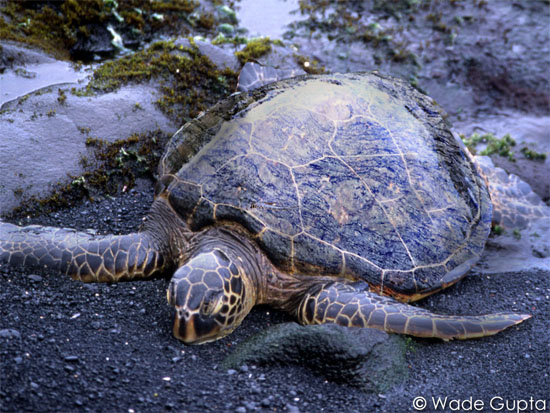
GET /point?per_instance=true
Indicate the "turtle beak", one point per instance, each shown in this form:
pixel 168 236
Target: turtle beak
pixel 190 326
pixel 193 328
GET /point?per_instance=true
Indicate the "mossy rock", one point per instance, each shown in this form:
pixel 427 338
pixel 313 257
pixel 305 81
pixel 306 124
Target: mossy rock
pixel 370 359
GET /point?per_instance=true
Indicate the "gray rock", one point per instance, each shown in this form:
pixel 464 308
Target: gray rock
pixel 50 140
pixel 24 70
pixel 9 333
pixel 35 278
pixel 367 358
pixel 254 75
pixel 291 408
pixel 525 218
pixel 220 57
pixel 528 131
pixel 48 134
pixel 14 54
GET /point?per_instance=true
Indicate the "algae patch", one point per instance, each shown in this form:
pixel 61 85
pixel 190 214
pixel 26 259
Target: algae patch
pixel 493 145
pixel 499 146
pixel 112 167
pixel 189 81
pixel 75 28
pixel 254 49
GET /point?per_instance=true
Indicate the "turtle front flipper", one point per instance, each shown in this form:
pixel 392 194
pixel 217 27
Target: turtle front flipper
pixel 83 256
pixel 353 305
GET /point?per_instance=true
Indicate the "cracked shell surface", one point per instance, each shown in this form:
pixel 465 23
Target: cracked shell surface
pixel 354 175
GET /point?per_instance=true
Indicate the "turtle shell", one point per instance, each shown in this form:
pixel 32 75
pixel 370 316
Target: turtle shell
pixel 353 175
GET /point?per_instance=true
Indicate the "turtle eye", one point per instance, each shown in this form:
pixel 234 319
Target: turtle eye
pixel 212 303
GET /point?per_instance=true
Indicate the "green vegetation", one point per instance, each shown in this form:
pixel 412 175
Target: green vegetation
pixel 497 230
pixel 189 81
pixel 532 155
pixel 56 26
pixel 311 66
pixel 494 145
pixel 410 344
pixel 115 167
pixel 343 22
pixel 254 49
pixel 62 96
pixel 502 146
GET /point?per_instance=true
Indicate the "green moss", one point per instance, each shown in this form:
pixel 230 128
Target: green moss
pixel 437 23
pixel 62 96
pixel 206 20
pixel 517 234
pixel 494 145
pixel 343 22
pixel 497 230
pixel 114 167
pixel 189 81
pixel 254 49
pixel 397 7
pixel 532 155
pixel 311 66
pixel 51 27
pixel 410 344
pixel 56 26
pixel 185 6
pixel 22 99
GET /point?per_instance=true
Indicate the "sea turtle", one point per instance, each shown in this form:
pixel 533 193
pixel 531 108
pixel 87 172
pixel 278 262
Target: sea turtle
pixel 338 198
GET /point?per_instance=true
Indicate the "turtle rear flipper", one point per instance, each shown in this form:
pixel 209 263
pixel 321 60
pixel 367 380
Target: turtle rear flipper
pixel 352 305
pixel 81 255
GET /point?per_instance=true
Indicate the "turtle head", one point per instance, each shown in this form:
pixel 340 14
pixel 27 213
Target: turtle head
pixel 211 295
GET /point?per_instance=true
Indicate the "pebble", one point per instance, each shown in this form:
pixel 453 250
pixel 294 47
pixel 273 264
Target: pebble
pixel 9 333
pixel 292 409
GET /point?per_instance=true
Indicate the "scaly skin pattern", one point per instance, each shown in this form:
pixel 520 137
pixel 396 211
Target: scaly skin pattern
pixel 345 175
pixel 220 281
pixel 352 305
pixel 81 255
pixel 211 296
pixel 290 195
